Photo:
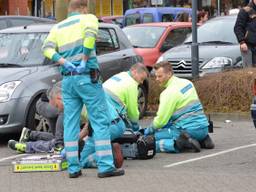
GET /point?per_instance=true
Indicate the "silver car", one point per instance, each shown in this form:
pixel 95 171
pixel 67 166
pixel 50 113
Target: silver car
pixel 218 49
pixel 26 73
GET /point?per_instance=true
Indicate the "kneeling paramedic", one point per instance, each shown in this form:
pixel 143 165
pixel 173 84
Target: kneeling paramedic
pixel 122 90
pixel 71 43
pixel 180 122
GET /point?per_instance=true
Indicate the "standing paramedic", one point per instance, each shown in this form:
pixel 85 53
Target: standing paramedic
pixel 71 43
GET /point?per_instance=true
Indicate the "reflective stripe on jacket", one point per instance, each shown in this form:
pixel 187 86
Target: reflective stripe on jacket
pixel 72 38
pixel 180 106
pixel 123 86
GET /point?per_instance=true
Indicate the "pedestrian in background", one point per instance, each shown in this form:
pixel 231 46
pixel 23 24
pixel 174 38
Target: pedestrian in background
pixel 71 43
pixel 202 17
pixel 183 17
pixel 245 31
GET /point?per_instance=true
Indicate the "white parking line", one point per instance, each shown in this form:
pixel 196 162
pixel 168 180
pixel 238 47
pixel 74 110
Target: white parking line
pixel 12 157
pixel 208 156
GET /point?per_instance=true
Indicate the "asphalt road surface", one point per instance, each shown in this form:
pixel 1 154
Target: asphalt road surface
pixel 230 167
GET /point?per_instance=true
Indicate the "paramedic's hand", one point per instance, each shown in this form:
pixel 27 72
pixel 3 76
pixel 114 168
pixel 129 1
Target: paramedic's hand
pixel 81 67
pixel 84 132
pixel 149 131
pixel 69 66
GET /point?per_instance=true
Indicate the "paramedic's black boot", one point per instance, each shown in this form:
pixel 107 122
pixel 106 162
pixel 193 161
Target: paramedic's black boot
pixel 75 175
pixel 184 142
pixel 207 143
pixel 116 172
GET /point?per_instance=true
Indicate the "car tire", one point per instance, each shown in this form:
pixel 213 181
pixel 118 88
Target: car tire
pixel 142 100
pixel 36 121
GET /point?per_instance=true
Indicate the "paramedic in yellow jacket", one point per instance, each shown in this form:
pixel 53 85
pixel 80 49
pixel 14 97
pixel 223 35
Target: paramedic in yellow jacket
pixel 71 43
pixel 122 90
pixel 180 122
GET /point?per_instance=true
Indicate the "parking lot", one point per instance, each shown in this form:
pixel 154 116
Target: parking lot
pixel 230 167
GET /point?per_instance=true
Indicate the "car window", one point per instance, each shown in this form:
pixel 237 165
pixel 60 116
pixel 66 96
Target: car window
pixel 167 17
pixel 132 19
pixel 27 49
pixel 216 31
pixel 177 36
pixel 19 22
pixel 3 24
pixel 107 41
pixel 118 20
pixel 148 18
pixel 146 37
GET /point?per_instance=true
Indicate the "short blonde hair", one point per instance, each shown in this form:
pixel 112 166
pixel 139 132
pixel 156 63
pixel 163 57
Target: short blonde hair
pixel 167 66
pixel 77 4
pixel 140 67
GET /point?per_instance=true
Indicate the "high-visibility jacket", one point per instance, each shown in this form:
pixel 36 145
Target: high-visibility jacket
pixel 180 106
pixel 72 38
pixel 125 88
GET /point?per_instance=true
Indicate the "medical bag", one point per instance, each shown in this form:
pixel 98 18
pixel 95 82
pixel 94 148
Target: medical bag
pixel 137 146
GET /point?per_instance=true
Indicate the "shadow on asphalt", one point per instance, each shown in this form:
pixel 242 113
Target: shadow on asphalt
pixel 4 138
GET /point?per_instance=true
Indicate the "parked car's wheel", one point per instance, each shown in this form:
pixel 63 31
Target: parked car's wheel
pixel 142 100
pixel 36 121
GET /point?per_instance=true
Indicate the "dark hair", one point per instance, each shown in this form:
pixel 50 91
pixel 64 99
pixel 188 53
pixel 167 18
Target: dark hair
pixel 201 14
pixel 183 17
pixel 167 66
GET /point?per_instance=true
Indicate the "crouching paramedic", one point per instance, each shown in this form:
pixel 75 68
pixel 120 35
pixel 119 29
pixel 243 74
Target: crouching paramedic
pixel 71 43
pixel 180 121
pixel 122 89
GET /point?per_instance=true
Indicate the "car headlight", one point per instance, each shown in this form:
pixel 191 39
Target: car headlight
pixel 218 62
pixel 160 59
pixel 7 89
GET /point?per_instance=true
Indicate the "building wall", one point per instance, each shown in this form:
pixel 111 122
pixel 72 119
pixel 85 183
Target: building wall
pixel 17 7
pixel 3 7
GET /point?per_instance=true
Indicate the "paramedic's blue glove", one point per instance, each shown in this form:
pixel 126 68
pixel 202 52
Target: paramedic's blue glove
pixel 135 126
pixel 69 66
pixel 63 153
pixel 81 67
pixel 149 131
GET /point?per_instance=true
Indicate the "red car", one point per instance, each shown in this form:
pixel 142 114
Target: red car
pixel 151 40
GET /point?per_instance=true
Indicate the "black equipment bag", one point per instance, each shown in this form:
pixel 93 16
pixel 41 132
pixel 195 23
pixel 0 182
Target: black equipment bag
pixel 137 146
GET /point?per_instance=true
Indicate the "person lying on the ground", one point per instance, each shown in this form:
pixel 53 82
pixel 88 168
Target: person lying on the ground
pixel 54 117
pixel 39 142
pixel 117 129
